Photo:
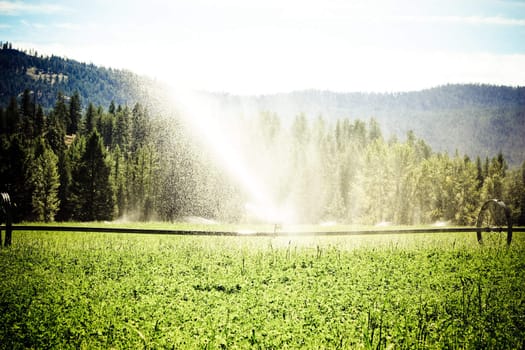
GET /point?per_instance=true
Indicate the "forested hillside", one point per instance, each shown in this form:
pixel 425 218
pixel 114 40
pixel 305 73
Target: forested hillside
pixel 50 75
pixel 479 120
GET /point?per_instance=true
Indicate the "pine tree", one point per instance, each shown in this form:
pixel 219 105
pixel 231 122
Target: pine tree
pixel 17 177
pixel 45 182
pixel 90 120
pixel 106 127
pixel 377 183
pixel 374 132
pixel 479 176
pixel 65 211
pixel 493 183
pixel 403 164
pixel 119 181
pixel 464 193
pixel 75 113
pixel 300 129
pixel 61 112
pixel 111 109
pixel 40 122
pixel 92 183
pixel 55 133
pixel 122 134
pixel 70 191
pixel 139 127
pixel 514 194
pixel 27 107
pixel 12 116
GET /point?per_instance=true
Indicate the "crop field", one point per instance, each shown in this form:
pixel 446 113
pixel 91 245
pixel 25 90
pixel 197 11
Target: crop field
pixel 100 290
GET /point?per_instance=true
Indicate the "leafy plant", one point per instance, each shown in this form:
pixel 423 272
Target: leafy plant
pixel 67 290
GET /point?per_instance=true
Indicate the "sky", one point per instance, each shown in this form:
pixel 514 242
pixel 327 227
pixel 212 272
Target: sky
pixel 271 46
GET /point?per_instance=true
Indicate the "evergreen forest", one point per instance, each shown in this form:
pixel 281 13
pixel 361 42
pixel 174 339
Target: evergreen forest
pixel 98 163
pixel 83 143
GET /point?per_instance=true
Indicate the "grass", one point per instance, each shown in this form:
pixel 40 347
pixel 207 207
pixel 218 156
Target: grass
pixel 94 290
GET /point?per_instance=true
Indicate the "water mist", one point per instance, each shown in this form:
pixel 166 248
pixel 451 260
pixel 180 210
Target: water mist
pixel 238 152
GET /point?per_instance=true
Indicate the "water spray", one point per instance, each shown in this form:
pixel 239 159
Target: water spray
pixel 220 134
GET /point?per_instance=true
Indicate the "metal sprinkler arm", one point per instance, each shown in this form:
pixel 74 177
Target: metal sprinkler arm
pixel 493 216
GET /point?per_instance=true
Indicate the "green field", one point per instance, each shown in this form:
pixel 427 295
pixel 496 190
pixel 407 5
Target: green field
pixel 96 290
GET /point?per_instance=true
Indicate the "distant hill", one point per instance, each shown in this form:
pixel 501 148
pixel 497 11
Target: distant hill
pixel 49 75
pixel 478 120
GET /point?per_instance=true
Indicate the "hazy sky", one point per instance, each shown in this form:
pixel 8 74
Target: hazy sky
pixel 266 46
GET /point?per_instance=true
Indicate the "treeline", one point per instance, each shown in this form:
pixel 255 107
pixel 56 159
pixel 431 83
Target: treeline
pixel 70 163
pixel 348 172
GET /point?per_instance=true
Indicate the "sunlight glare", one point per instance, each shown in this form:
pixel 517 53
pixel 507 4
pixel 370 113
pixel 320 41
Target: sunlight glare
pixel 219 133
